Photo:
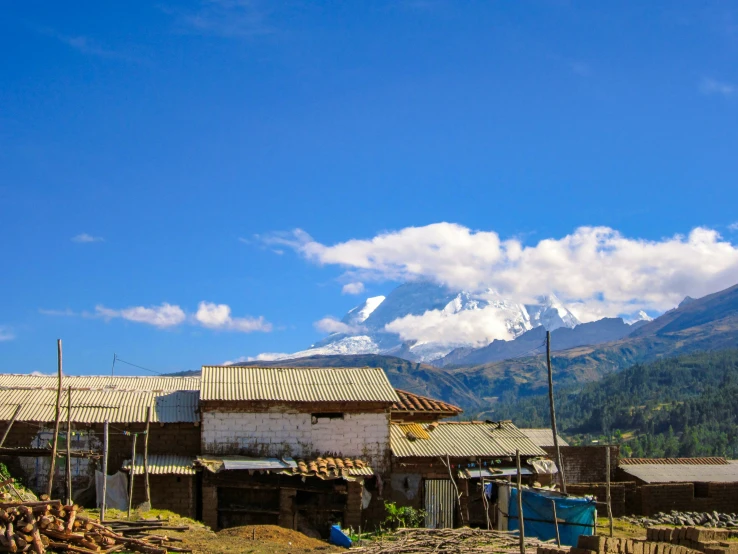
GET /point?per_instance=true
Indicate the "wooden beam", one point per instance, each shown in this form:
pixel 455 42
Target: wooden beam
pixel 69 446
pixel 10 424
pixel 132 474
pixel 553 413
pixel 521 522
pixel 146 458
pixel 609 501
pixel 105 472
pixel 55 442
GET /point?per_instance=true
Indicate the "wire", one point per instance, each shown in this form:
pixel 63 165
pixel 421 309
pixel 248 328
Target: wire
pixel 138 366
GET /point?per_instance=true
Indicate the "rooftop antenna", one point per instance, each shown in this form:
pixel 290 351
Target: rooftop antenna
pixel 112 369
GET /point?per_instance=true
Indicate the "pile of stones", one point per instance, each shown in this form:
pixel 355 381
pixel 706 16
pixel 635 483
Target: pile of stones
pixel 703 519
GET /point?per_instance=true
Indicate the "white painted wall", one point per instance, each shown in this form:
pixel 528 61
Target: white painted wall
pixel 364 436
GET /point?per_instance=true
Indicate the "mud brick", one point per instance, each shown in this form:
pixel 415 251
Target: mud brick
pixel 591 542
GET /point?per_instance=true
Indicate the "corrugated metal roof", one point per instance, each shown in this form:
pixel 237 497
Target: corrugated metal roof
pixel 714 461
pixel 95 406
pixel 296 384
pixel 464 439
pixel 162 464
pixel 415 403
pixel 417 430
pixel 542 437
pixel 683 473
pixel 9 380
pixel 476 473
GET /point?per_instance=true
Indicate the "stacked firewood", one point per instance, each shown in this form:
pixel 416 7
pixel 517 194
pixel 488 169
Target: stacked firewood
pixel 48 525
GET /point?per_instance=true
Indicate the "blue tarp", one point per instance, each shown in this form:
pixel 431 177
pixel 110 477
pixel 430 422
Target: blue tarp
pixel 576 516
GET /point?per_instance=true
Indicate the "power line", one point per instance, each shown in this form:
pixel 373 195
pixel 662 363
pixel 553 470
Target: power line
pixel 138 366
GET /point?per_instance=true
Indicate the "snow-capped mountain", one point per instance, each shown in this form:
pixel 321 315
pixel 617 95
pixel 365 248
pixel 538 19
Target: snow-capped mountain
pixel 424 322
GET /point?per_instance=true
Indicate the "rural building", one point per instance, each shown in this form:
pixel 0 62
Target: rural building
pixel 125 403
pixel 441 467
pixel 292 446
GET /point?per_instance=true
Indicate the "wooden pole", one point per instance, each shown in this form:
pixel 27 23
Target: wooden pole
pixel 556 523
pixel 146 458
pixel 609 503
pixel 521 523
pixel 131 474
pixel 69 445
pixel 105 472
pixel 55 442
pixel 553 413
pixel 10 424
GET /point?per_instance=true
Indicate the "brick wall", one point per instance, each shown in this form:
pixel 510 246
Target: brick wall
pixel 364 435
pixel 586 464
pixel 619 493
pixel 168 492
pixel 663 497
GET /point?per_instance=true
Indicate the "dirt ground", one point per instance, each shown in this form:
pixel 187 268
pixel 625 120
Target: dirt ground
pixel 250 539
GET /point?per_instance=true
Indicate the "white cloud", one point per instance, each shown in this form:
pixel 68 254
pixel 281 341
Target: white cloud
pixel 733 226
pixel 162 316
pixel 711 86
pixel 357 287
pixel 264 357
pixel 85 238
pixel 6 334
pixel 475 327
pixel 597 269
pixel 332 325
pixel 218 316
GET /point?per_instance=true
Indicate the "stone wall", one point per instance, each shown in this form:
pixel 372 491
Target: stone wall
pixel 362 435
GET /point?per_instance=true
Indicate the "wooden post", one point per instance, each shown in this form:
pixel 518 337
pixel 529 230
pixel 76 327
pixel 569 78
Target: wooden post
pixel 553 412
pixel 556 523
pixel 521 523
pixel 609 503
pixel 131 474
pixel 69 446
pixel 55 443
pixel 10 424
pixel 146 458
pixel 105 472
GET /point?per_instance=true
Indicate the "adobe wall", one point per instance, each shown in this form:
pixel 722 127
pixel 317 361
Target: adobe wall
pixel 170 438
pixel 168 492
pixel 361 435
pixel 586 464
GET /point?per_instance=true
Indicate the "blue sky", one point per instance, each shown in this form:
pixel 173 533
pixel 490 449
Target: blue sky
pixel 182 143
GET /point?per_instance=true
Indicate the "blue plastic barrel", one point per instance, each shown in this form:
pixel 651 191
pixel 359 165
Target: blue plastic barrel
pixel 339 538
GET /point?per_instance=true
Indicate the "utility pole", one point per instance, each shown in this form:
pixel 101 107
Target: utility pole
pixel 553 412
pixel 55 442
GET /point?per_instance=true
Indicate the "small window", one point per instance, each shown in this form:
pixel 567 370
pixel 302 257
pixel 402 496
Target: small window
pixel 325 415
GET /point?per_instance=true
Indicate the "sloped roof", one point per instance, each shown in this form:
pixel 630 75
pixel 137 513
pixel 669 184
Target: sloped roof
pixel 542 437
pixel 463 439
pixel 414 403
pixel 296 384
pixel 95 399
pixel 683 473
pixel 712 461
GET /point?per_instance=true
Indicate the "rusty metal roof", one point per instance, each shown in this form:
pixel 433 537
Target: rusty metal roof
pixel 673 461
pixel 414 403
pixel 464 439
pixel 543 437
pixel 10 380
pixel 296 384
pixel 162 464
pixel 95 406
pixel 683 473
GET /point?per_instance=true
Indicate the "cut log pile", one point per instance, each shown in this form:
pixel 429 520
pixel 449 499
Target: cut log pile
pixel 49 526
pixel 450 541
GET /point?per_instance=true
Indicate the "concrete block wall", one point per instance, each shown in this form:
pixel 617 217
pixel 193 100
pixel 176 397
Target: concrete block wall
pixel 362 435
pixel 175 493
pixel 586 464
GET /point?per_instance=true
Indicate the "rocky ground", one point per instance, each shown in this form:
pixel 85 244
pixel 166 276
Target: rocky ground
pixel 703 519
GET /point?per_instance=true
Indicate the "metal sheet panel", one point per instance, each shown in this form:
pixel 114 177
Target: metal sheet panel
pixel 491 474
pixel 464 439
pixel 440 503
pixel 162 464
pixel 543 437
pixel 296 384
pixel 10 380
pixel 232 463
pixel 686 473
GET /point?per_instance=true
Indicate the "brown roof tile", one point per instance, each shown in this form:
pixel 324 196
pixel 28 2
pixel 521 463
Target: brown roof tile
pixel 414 403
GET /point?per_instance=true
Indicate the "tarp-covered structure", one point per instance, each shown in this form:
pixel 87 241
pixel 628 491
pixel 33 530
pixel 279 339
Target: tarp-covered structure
pixel 575 515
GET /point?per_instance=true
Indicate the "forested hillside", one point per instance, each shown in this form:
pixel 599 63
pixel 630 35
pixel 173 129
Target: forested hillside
pixel 683 406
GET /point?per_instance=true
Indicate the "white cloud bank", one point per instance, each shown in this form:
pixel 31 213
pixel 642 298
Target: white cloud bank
pixel 596 270
pixel 332 325
pixel 356 287
pixel 164 316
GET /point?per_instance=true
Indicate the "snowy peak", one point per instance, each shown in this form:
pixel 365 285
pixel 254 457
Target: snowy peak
pixel 640 316
pixel 360 313
pixel 551 313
